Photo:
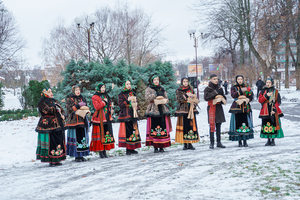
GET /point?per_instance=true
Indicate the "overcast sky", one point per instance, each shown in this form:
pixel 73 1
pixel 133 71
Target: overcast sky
pixel 37 17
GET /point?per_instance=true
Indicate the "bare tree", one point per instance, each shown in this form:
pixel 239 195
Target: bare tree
pixel 11 41
pixel 119 33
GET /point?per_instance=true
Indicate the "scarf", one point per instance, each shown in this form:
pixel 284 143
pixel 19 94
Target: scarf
pixel 212 116
pixel 127 92
pixel 74 88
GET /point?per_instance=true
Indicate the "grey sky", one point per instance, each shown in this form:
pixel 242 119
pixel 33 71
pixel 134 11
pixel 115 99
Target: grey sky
pixel 37 17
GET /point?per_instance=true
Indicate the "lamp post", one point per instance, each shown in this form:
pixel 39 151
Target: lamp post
pixel 192 33
pixel 91 20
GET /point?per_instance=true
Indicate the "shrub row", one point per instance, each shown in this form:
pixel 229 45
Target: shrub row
pixel 10 115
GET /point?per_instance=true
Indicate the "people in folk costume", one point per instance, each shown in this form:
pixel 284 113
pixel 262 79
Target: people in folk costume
pixel 158 116
pixel 78 125
pixel 51 147
pixel 214 95
pixel 186 128
pixel 270 113
pixel 129 135
pixel 102 133
pixel 241 122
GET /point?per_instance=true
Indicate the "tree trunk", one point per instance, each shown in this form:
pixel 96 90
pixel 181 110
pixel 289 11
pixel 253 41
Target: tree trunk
pixel 297 66
pixel 274 64
pixel 287 55
pixel 234 67
pixel 245 7
pixel 242 57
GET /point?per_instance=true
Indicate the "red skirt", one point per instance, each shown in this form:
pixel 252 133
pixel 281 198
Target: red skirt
pixel 96 144
pixel 129 136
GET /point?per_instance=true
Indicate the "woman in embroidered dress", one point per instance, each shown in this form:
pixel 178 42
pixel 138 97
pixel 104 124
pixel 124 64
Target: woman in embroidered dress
pixel 77 137
pixel 129 135
pixel 158 116
pixel 241 123
pixel 270 113
pixel 186 129
pixel 102 133
pixel 214 95
pixel 51 146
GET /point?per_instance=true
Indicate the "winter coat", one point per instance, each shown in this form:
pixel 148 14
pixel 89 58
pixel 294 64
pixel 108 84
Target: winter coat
pixel 49 120
pixel 210 92
pixel 260 84
pixel 99 105
pixel 152 109
pixel 74 120
pixel 236 91
pixel 126 112
pixel 266 107
pixel 183 107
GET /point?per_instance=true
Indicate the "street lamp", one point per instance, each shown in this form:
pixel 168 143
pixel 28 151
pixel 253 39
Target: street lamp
pixel 91 20
pixel 192 33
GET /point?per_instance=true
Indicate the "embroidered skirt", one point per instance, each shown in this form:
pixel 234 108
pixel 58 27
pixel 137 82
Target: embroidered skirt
pixel 268 129
pixel 97 144
pixel 241 127
pixel 158 132
pixel 186 130
pixel 51 147
pixel 129 135
pixel 78 142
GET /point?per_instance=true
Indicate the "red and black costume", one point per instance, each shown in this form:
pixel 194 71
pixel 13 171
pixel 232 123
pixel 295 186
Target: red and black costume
pixel 129 135
pixel 215 112
pixel 271 124
pixel 102 133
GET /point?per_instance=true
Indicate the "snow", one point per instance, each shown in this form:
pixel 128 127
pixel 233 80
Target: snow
pixel 256 172
pixel 11 101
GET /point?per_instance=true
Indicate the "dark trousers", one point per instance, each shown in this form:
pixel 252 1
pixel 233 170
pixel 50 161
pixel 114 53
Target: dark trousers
pixel 258 90
pixel 218 133
pixel 226 92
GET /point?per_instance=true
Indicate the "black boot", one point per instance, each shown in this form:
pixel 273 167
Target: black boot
pixel 82 159
pixel 156 150
pixel 78 159
pixel 240 143
pixel 218 130
pixel 212 140
pixel 134 152
pixel 128 152
pixel 105 155
pixel 190 146
pixel 220 145
pixel 54 164
pixel 161 150
pixel 268 142
pixel 245 143
pixel 185 146
pixel 101 154
pixel 273 142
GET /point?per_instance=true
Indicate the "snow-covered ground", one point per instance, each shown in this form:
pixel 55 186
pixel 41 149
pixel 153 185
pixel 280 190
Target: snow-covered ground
pixel 255 172
pixel 11 101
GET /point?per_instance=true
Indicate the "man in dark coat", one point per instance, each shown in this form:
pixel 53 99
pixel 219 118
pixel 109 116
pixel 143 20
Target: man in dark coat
pixel 259 84
pixel 220 82
pixel 225 85
pixel 215 97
